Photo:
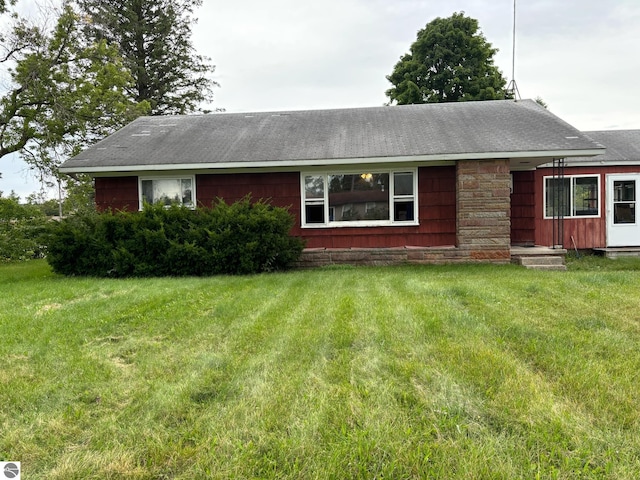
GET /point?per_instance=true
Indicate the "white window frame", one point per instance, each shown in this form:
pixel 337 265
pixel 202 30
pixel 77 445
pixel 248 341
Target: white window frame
pixel 328 223
pixel 192 178
pixel 572 210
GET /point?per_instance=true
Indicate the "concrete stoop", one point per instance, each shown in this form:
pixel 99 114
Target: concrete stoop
pixel 618 252
pixel 541 262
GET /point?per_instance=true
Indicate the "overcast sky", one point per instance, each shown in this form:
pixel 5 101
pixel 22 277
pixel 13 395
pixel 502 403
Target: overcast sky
pixel 582 57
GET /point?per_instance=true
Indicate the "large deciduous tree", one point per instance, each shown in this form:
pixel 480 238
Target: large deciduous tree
pixel 62 94
pixel 450 61
pixel 154 38
pixel 4 4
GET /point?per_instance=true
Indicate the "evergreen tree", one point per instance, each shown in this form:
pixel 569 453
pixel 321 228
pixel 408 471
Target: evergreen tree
pixel 450 61
pixel 154 38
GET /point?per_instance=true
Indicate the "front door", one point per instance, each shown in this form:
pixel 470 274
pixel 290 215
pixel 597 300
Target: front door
pixel 623 221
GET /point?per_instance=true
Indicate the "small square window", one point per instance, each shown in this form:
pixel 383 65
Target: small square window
pixel 314 213
pixel 403 183
pixel 403 212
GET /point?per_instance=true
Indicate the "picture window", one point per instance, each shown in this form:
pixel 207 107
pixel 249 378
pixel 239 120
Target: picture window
pixel 359 199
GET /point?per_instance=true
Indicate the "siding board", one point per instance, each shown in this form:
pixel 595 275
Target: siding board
pixel 116 193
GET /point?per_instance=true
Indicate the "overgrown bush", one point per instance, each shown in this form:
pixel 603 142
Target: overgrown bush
pixel 241 238
pixel 22 228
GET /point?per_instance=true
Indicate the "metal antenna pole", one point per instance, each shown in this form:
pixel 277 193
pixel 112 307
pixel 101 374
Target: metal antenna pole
pixel 513 49
pixel 513 86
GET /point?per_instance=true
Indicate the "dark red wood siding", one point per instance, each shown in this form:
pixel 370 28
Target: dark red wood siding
pixel 436 200
pixel 586 232
pixel 523 209
pixel 437 215
pixel 117 193
pixel 282 189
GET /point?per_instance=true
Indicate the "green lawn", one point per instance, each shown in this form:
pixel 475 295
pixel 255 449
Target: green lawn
pixel 466 372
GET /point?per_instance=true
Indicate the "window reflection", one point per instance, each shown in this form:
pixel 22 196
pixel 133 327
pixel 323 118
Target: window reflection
pixel 168 191
pixel 573 196
pixel 357 197
pixel 368 198
pixel 624 207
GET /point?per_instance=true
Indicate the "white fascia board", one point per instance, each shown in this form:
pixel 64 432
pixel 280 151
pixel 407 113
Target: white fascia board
pixel 597 163
pixel 335 161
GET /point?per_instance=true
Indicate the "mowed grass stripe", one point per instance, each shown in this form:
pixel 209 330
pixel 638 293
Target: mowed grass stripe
pixel 411 372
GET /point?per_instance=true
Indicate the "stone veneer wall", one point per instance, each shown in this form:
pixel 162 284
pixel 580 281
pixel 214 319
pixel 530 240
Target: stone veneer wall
pixel 320 257
pixel 483 200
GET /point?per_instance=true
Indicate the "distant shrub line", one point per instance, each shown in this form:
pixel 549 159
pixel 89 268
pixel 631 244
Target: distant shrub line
pixel 21 230
pixel 242 238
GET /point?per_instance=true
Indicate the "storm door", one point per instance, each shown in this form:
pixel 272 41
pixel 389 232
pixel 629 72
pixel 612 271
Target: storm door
pixel 623 222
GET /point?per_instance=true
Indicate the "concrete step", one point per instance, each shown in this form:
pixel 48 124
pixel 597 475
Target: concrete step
pixel 560 268
pixel 541 262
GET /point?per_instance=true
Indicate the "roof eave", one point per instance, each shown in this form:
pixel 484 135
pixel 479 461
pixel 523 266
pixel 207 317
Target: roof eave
pixel 599 163
pixel 540 157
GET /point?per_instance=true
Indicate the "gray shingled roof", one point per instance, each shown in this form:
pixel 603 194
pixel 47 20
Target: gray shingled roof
pixel 623 147
pixel 446 131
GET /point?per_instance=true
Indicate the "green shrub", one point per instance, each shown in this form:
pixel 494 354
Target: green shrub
pixel 21 230
pixel 241 238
